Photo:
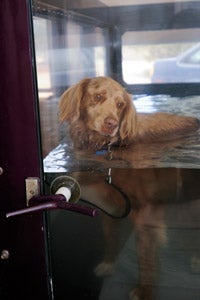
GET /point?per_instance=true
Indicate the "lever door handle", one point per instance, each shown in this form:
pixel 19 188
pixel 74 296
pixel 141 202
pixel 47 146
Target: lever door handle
pixel 41 203
pixel 66 189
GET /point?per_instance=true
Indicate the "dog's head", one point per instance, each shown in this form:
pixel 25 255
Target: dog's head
pixel 102 105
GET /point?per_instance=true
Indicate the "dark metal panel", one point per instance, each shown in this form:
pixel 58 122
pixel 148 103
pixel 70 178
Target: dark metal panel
pixel 24 275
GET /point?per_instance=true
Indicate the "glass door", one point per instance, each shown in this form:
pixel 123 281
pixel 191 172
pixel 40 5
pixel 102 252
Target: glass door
pixel 144 243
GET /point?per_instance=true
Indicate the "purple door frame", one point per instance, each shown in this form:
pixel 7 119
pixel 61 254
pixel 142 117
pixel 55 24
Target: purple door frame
pixel 25 274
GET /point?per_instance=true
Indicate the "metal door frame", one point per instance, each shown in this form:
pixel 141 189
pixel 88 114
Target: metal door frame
pixel 24 273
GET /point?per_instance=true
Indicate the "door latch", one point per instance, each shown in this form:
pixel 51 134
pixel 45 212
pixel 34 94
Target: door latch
pixel 32 188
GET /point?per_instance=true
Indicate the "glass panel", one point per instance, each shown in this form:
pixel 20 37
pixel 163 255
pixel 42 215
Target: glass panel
pixel 146 190
pixel 152 52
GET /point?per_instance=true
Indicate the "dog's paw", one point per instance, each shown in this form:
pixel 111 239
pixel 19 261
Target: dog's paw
pixel 104 269
pixel 141 293
pixel 133 295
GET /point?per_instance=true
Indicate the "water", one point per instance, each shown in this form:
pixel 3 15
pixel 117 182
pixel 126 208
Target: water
pixel 181 154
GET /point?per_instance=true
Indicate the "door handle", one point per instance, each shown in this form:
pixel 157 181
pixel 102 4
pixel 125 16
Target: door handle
pixel 66 191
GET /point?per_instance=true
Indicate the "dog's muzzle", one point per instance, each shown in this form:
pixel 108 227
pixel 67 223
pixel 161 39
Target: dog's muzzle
pixel 110 126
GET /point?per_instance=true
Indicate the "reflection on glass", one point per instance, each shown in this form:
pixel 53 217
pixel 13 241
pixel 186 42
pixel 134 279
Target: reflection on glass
pixel 68 48
pixel 41 27
pixel 67 52
pixel 167 56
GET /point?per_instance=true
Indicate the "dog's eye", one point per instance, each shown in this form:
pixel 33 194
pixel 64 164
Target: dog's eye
pixel 120 104
pixel 98 97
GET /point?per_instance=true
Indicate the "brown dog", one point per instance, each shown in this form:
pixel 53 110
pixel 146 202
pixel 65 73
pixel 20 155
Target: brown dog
pixel 100 112
pixel 160 198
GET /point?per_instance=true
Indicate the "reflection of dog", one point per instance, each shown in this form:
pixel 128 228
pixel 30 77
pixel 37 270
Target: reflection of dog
pixel 100 111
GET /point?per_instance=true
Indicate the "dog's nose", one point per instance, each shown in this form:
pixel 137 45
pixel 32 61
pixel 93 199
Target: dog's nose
pixel 110 123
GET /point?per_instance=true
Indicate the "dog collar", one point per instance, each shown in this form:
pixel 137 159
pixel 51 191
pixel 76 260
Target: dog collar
pixel 105 150
pixel 101 152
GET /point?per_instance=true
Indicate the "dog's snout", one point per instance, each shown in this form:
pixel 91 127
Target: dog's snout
pixel 111 123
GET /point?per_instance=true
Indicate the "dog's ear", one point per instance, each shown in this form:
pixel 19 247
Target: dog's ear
pixel 69 105
pixel 127 129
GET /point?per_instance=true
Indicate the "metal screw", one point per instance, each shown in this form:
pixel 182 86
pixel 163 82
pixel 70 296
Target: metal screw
pixel 5 254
